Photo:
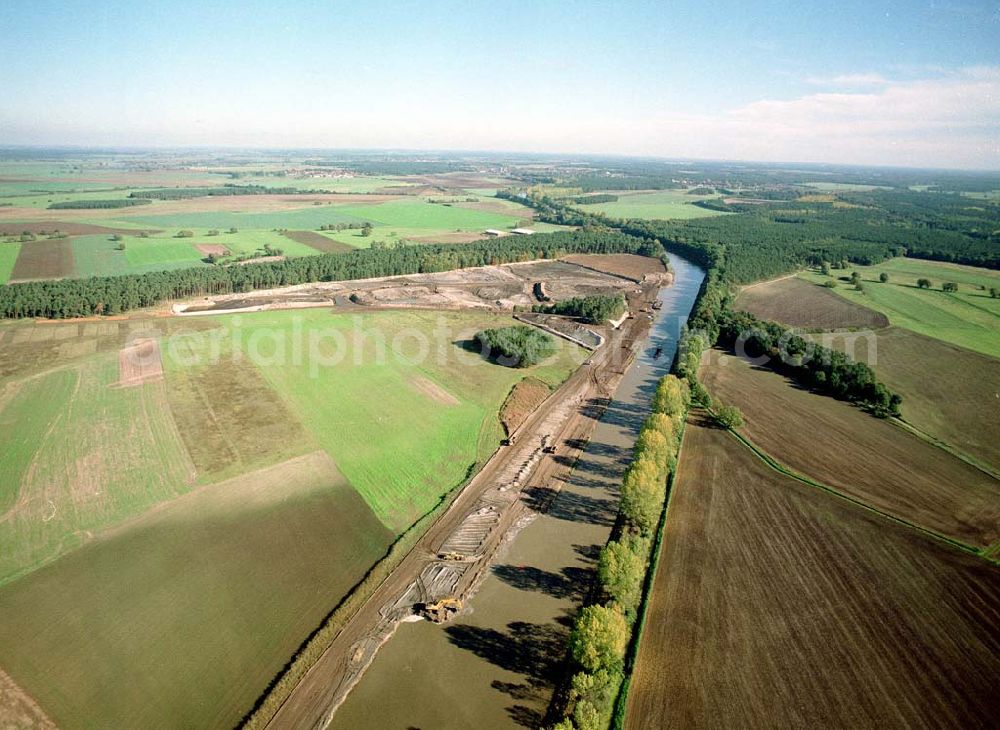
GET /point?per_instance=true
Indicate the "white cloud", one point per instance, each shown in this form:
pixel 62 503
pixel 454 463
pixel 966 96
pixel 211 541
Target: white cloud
pixel 849 80
pixel 950 121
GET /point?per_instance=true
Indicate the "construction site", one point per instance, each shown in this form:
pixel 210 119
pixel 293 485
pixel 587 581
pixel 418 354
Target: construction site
pixel 438 579
pixel 493 288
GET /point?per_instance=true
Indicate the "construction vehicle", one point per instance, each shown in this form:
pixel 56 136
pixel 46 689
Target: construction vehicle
pixel 439 611
pixel 452 556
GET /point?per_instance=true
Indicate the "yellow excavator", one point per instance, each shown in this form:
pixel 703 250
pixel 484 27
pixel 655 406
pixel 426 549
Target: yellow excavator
pixel 439 611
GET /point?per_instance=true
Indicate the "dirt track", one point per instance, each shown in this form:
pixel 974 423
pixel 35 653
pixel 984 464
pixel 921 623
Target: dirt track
pixel 475 526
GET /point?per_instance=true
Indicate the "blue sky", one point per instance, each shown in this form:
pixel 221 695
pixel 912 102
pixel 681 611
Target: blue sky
pixel 908 83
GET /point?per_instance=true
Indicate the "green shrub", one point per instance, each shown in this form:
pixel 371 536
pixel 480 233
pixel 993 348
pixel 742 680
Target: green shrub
pixel 518 346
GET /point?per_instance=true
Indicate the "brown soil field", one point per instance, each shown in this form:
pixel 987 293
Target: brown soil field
pixel 867 458
pixel 948 392
pixel 496 206
pixel 209 248
pixel 139 363
pixel 44 227
pixel 451 180
pixel 44 260
pixel 318 241
pixel 524 398
pixel 624 264
pixel 799 303
pixel 776 604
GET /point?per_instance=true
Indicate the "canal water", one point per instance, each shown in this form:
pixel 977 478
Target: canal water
pixel 496 665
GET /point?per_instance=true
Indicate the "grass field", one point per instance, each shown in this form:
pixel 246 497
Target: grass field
pixel 659 204
pixel 98 255
pixel 182 618
pixel 798 303
pixel 776 604
pixel 968 318
pixel 414 213
pixel 26 414
pixel 420 214
pixel 403 429
pixel 948 392
pixel 84 456
pixel 8 255
pixel 865 457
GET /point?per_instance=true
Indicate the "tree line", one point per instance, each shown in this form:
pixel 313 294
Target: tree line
pixel 593 199
pixel 95 204
pixel 228 189
pixel 820 368
pixel 605 628
pixel 115 294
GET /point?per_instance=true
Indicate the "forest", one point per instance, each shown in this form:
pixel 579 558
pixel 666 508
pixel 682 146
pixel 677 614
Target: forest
pixel 97 204
pixel 115 294
pixel 228 189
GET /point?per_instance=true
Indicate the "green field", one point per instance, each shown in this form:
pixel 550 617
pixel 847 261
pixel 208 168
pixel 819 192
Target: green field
pixel 8 255
pixel 659 204
pixel 968 318
pixel 28 412
pixel 403 449
pixel 98 255
pixel 84 456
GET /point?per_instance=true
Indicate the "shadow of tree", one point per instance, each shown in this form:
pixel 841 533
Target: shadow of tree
pixel 533 650
pixel 571 582
pixel 571 507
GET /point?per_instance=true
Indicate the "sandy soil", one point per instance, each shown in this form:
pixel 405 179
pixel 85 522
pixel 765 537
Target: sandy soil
pixel 495 288
pixel 625 265
pixel 479 522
